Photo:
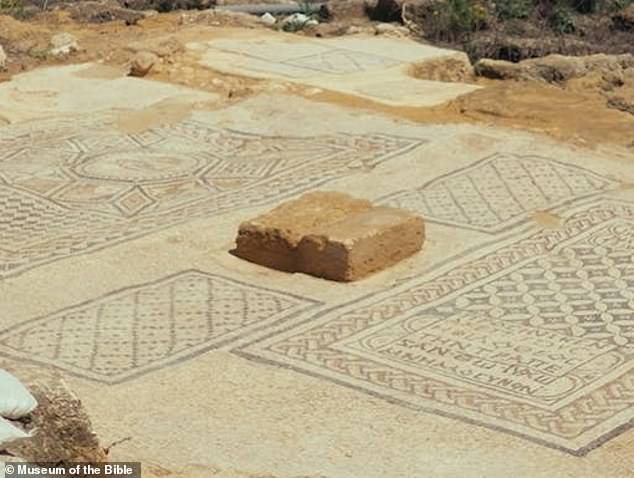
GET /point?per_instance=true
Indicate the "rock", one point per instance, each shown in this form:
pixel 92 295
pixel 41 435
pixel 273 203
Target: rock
pixel 392 30
pixel 60 427
pixel 451 68
pixel 624 20
pixel 497 69
pixel 345 10
pixel 63 44
pixel 360 244
pixel 554 68
pixel 331 29
pixel 294 22
pixel 142 63
pixel 271 239
pixel 621 104
pixel 330 235
pixel 268 19
pixel 163 47
pixel 3 59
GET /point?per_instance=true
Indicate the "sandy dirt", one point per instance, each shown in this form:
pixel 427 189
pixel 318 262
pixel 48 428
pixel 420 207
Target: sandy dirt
pixel 559 111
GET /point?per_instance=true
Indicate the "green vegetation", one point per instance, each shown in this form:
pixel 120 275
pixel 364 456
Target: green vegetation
pixel 457 20
pixel 510 9
pixel 453 20
pixel 562 19
pixel 15 8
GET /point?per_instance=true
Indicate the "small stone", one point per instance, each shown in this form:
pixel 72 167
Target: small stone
pixel 294 22
pixel 142 63
pixel 268 19
pixel 391 30
pixel 3 58
pixel 63 44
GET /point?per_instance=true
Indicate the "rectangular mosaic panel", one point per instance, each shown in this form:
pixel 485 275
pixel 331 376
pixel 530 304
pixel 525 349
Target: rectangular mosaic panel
pixel 533 336
pixel 73 187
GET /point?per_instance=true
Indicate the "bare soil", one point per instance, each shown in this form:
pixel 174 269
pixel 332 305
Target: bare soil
pixel 578 111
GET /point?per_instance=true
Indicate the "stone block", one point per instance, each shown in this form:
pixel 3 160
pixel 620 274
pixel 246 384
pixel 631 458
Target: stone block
pixel 360 244
pixel 330 235
pixel 271 239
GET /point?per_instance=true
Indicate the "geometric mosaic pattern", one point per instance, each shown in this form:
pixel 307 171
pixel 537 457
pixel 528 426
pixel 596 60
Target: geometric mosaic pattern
pixel 533 336
pixel 499 192
pixel 129 332
pixel 302 60
pixel 72 187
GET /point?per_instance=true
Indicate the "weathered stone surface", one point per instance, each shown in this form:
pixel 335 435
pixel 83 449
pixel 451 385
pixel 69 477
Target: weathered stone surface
pixel 142 63
pixel 60 427
pixel 271 239
pixel 3 58
pixel 454 68
pixel 553 68
pixel 63 44
pixel 360 244
pixel 345 10
pixel 330 235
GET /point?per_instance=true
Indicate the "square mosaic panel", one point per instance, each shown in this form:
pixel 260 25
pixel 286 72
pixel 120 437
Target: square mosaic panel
pixel 499 192
pixel 301 59
pixel 132 331
pixel 533 335
pixel 73 187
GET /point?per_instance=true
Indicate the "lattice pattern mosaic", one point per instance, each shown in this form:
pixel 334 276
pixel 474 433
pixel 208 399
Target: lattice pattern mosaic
pixel 67 188
pixel 131 331
pixel 535 336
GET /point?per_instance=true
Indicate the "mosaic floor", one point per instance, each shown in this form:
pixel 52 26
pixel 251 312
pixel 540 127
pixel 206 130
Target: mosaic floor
pixel 511 337
pixel 375 68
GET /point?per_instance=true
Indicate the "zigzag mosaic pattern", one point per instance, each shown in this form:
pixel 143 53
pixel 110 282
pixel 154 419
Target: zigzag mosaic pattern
pixel 73 187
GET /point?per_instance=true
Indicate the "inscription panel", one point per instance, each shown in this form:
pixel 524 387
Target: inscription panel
pixel 533 335
pixel 533 364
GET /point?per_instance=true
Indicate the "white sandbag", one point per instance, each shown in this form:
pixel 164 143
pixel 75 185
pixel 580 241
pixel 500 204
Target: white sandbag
pixel 9 432
pixel 15 399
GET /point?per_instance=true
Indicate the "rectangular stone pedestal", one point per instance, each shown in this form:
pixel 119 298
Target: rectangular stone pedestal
pixel 331 235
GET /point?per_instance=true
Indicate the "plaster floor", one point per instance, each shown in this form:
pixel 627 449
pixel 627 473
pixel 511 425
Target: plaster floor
pixel 506 346
pixel 370 67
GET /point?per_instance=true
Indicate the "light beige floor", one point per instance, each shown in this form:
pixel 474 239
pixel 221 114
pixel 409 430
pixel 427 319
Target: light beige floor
pixel 369 67
pixel 504 347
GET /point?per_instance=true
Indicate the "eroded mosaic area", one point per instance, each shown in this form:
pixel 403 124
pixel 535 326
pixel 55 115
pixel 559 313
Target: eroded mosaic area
pixel 302 59
pixel 141 328
pixel 534 336
pixel 71 187
pixel 499 192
